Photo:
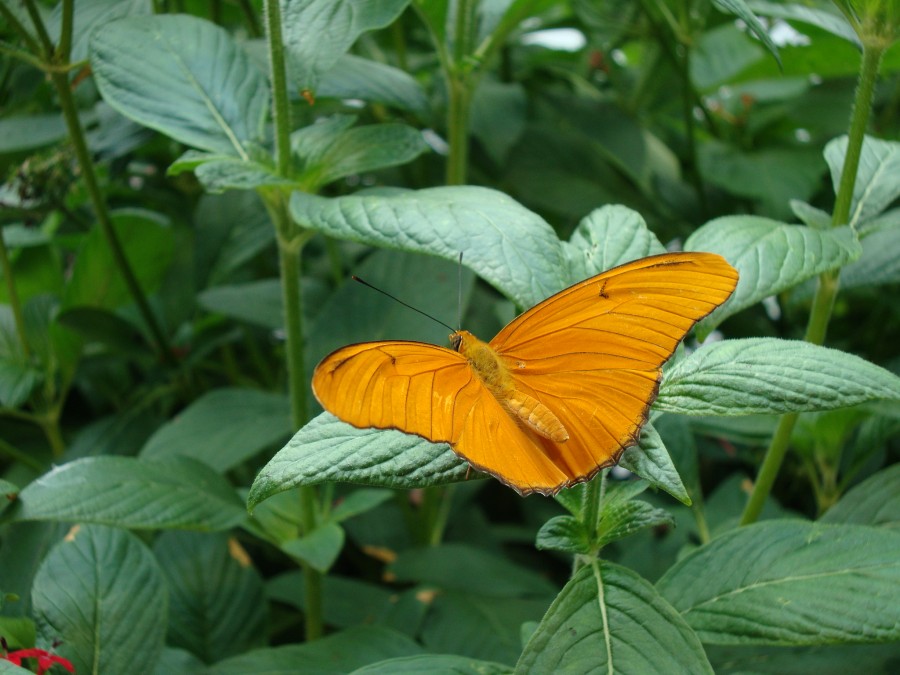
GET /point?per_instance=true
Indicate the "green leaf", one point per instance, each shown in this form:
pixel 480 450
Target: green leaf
pixel 19 133
pixel 327 449
pixel 479 626
pixel 95 324
pixel 434 663
pixel 790 583
pixel 771 256
pixel 823 15
pixel 148 242
pixel 498 116
pixel 358 78
pixel 740 9
pixel 353 151
pixel 879 263
pixel 773 176
pixel 184 77
pixel 231 173
pixel 358 501
pixel 318 32
pixel 178 662
pixel 821 660
pixel 875 501
pixel 320 548
pixel 216 603
pixel 721 54
pixel 169 493
pixel 621 520
pixel 463 568
pixel 815 218
pixel 771 376
pixel 337 653
pixel 877 179
pixel 223 428
pixel 606 237
pixel 17 379
pixel 256 302
pixel 505 243
pixel 651 461
pixel 608 619
pixel 346 601
pixel 88 16
pixel 106 621
pixel 564 533
pixel 8 668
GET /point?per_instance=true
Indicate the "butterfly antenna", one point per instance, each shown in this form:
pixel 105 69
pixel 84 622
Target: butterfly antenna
pixel 459 299
pixel 396 299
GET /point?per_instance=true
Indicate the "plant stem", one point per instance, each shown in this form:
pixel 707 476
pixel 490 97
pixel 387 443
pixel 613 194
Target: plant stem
pixel 13 295
pixel 458 128
pixel 828 283
pixel 76 135
pixel 290 245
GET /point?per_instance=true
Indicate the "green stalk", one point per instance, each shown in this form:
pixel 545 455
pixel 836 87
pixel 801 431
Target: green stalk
pixel 828 283
pixel 13 295
pixel 290 244
pixel 58 76
pixel 458 128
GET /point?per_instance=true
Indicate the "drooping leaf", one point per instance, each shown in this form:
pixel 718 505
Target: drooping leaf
pixel 743 11
pixel 358 78
pixel 822 15
pixel 828 583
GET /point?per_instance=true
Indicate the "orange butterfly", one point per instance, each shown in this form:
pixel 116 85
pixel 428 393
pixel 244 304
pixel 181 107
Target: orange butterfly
pixel 558 394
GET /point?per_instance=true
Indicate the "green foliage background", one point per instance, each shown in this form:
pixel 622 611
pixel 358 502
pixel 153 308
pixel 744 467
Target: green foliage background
pixel 189 187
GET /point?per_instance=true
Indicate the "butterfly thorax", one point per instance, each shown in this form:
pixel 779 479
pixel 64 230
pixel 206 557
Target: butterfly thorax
pixel 489 367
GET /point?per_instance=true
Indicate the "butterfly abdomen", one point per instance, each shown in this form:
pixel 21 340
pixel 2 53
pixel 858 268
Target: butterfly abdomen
pixel 496 377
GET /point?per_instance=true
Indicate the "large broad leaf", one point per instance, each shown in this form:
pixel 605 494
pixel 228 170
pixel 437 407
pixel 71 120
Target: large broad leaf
pixel 106 621
pixel 877 179
pixel 223 428
pixel 318 32
pixel 875 501
pixel 879 262
pixel 771 256
pixel 216 603
pixel 608 619
pixel 506 244
pixel 327 449
pixel 768 375
pixel 791 583
pixel 176 492
pixel 338 653
pixel 182 76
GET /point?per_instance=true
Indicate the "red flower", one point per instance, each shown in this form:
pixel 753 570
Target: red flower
pixel 45 659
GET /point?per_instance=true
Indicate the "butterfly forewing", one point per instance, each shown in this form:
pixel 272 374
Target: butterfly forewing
pixel 412 386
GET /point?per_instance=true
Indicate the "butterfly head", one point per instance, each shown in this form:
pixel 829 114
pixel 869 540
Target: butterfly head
pixel 461 340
